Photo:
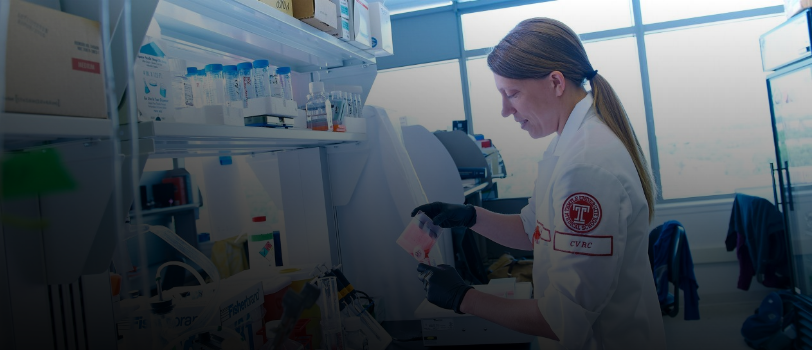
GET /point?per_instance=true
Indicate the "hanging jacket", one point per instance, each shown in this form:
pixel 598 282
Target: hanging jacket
pixel 687 279
pixel 756 230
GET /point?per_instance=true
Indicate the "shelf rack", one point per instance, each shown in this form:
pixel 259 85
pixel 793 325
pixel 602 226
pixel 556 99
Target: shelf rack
pixel 252 29
pixel 173 140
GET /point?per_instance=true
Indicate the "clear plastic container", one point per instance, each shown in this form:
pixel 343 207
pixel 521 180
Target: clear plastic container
pixel 262 78
pixel 216 87
pixel 332 332
pixel 283 80
pixel 246 73
pixel 319 109
pixel 350 106
pixel 233 86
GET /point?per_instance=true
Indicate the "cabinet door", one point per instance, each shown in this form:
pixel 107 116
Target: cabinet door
pixel 791 104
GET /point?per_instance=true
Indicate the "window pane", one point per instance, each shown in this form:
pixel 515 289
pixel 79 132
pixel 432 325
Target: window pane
pixel 431 93
pixel 616 60
pixel 711 108
pixel 654 11
pixel 486 28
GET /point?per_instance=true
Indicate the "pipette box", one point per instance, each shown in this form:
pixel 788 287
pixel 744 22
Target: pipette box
pixel 441 327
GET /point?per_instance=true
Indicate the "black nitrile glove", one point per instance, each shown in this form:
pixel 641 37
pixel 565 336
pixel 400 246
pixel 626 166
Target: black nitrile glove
pixel 443 285
pixel 449 215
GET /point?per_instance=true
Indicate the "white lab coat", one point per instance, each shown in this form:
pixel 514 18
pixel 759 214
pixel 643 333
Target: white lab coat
pixel 588 222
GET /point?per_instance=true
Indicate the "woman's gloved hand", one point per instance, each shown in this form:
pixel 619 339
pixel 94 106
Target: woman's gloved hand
pixel 443 285
pixel 449 215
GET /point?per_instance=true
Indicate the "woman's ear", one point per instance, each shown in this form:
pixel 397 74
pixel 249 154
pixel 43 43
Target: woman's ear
pixel 559 83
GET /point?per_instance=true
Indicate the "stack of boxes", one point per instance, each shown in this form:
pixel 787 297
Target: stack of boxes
pixel 366 26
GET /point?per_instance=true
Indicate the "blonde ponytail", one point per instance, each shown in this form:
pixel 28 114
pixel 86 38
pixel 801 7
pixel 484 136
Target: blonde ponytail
pixel 538 46
pixel 611 110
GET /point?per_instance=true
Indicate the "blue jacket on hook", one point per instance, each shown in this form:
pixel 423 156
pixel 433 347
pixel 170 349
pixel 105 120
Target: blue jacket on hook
pixel 687 279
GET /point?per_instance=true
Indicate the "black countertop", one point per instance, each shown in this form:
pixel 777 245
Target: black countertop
pixel 406 335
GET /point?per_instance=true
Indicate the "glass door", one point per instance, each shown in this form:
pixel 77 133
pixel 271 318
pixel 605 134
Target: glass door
pixel 791 104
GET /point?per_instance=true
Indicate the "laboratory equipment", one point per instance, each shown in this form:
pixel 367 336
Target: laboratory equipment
pixel 319 109
pixel 339 109
pixel 215 85
pixel 284 87
pixel 332 332
pixel 262 78
pixel 234 86
pixel 245 70
pixel 355 337
pixel 269 121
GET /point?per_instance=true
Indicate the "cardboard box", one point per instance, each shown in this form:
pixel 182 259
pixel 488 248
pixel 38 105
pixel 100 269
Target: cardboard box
pixel 153 83
pixel 360 24
pixel 380 29
pixel 792 7
pixel 53 63
pixel 320 14
pixel 285 6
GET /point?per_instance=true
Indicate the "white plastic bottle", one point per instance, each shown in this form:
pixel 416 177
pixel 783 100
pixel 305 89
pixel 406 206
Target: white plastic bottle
pixel 354 338
pixel 319 109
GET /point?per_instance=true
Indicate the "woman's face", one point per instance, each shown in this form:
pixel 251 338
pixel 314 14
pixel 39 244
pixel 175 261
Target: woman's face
pixel 533 103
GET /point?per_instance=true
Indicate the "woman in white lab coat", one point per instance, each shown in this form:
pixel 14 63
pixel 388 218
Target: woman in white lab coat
pixel 588 218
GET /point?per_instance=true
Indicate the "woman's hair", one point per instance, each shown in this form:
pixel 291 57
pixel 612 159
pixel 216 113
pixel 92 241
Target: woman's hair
pixel 538 46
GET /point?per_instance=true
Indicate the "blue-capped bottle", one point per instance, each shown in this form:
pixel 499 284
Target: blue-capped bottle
pixel 245 69
pixel 233 86
pixel 216 84
pixel 262 78
pixel 283 87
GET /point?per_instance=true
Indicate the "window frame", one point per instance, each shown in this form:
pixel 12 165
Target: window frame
pixel 638 30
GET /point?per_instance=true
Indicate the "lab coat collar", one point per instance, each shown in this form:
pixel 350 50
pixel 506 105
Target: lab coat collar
pixel 574 122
